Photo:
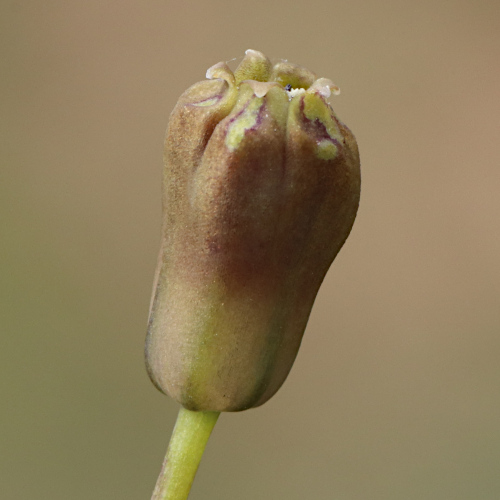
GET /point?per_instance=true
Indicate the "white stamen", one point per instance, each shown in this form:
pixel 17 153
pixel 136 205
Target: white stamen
pixel 293 92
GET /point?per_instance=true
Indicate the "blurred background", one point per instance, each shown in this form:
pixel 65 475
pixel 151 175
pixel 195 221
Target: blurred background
pixel 395 393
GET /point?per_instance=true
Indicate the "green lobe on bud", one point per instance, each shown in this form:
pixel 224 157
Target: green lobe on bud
pixel 255 66
pixel 286 73
pixel 261 188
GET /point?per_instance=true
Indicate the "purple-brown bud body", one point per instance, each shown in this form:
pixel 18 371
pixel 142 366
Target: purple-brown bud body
pixel 260 191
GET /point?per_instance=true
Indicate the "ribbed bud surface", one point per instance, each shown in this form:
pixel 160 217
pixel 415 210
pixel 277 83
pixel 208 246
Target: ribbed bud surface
pixel 261 187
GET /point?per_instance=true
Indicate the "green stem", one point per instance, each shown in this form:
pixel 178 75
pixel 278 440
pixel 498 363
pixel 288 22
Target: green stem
pixel 187 444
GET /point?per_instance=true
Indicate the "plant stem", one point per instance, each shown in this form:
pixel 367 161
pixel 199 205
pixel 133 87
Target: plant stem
pixel 187 444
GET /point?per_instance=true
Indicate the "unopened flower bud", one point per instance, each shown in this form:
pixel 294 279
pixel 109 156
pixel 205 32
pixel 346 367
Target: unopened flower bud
pixel 260 191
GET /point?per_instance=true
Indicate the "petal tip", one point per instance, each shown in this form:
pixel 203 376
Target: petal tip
pixel 220 71
pixel 260 89
pixel 324 87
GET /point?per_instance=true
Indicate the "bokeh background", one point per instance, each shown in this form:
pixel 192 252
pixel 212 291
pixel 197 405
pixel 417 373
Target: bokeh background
pixel 396 390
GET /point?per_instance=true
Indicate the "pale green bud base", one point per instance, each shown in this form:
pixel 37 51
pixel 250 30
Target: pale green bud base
pixel 186 447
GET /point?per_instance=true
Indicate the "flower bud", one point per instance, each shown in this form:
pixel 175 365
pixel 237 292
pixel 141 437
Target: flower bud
pixel 260 190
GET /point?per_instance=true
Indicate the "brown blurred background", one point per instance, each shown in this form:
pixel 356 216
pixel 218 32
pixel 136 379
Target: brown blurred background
pixel 396 390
